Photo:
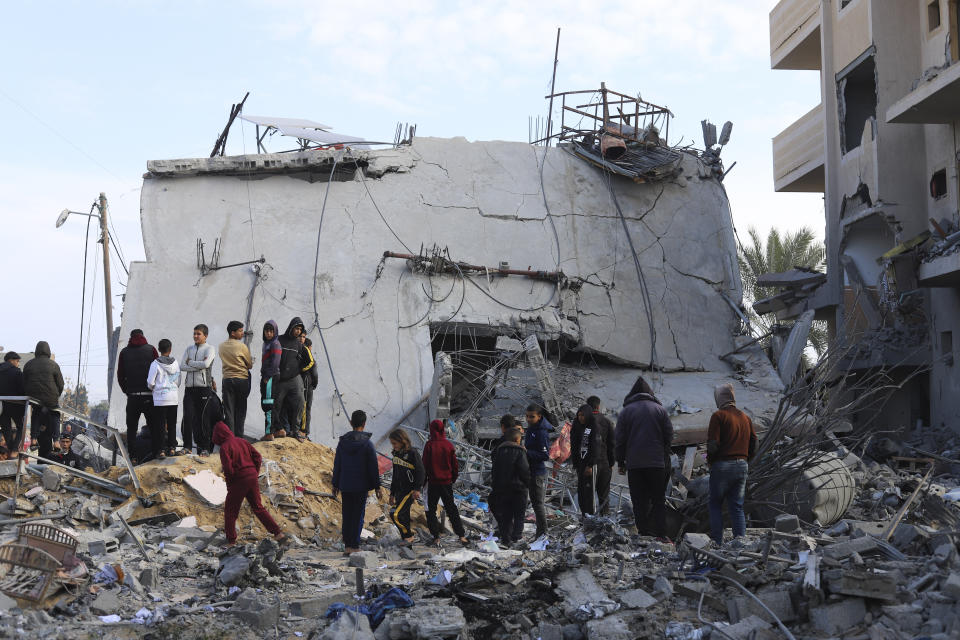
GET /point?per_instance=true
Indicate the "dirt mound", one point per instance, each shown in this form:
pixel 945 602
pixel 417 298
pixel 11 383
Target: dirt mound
pixel 295 481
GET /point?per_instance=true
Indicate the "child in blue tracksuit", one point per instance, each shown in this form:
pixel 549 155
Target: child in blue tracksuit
pixel 537 443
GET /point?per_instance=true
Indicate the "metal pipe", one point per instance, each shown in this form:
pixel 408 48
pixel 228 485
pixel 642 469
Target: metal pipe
pixel 103 482
pixel 551 276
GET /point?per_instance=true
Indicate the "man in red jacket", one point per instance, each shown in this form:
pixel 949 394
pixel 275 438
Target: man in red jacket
pixel 241 468
pixel 440 462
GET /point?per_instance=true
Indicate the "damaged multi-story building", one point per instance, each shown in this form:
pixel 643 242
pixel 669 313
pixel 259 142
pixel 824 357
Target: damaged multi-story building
pixel 882 146
pixel 624 257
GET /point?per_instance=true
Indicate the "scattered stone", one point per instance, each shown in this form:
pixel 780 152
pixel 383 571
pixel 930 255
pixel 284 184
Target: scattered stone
pixel 255 609
pixel 578 588
pixel 609 628
pixel 548 631
pixel 232 569
pixel 150 578
pixel 104 546
pixel 697 540
pixel 105 603
pixel 777 601
pixel 427 621
pixel 407 553
pixel 363 560
pixel 349 626
pixel 637 599
pixel 51 479
pixel 6 602
pixel 750 628
pixel 663 587
pixel 850 582
pixel 951 586
pixel 593 559
pixel 787 523
pixel 840 617
pixel 841 550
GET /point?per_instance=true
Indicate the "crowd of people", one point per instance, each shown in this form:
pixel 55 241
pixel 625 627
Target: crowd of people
pixel 639 446
pixel 152 379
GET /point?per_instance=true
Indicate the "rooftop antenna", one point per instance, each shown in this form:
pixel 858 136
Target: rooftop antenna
pixel 553 83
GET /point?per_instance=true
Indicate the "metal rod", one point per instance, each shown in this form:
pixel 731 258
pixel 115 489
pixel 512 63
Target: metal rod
pixel 53 516
pixel 103 482
pixel 260 260
pixel 553 83
pixel 552 276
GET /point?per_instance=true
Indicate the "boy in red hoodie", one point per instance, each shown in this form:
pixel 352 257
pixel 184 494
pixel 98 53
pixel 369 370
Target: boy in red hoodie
pixel 440 462
pixel 241 468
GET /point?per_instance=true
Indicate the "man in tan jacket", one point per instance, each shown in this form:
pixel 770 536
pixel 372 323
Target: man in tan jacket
pixel 237 362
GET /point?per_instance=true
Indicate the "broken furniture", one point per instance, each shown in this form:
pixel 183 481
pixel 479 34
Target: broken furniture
pixel 26 572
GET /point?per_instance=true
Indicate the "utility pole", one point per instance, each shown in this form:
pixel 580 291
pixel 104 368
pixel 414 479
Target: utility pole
pixel 107 296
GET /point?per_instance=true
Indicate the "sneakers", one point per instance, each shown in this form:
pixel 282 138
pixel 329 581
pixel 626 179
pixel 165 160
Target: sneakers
pixel 267 438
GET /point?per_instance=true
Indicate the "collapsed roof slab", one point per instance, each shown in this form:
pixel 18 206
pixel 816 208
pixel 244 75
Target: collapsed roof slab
pixel 482 201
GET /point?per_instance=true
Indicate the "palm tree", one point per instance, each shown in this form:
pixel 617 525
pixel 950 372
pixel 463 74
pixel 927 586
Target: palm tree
pixel 781 252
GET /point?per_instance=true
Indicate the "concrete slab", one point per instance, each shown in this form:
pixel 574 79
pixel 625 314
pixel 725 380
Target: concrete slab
pixel 209 486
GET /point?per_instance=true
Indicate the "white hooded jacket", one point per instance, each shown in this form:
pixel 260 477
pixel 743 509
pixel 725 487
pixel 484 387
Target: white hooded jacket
pixel 163 378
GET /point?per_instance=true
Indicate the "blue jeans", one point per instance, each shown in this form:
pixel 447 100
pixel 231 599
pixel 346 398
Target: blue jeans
pixel 728 481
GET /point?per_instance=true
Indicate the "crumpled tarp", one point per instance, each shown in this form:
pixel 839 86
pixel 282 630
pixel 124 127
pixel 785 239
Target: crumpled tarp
pixel 377 610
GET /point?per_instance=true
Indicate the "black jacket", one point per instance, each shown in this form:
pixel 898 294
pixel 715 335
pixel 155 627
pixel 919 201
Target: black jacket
pixel 609 438
pixel 511 471
pixel 133 365
pixel 587 445
pixel 355 467
pixel 292 356
pixel 644 433
pixel 408 473
pixel 42 378
pixel 11 384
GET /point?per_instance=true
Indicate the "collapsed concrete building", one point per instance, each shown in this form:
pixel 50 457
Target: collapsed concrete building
pixel 881 146
pixel 501 240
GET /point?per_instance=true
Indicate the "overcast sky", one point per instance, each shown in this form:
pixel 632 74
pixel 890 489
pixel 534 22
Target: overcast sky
pixel 92 90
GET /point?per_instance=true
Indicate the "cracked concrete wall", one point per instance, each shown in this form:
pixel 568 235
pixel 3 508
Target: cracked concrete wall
pixel 483 201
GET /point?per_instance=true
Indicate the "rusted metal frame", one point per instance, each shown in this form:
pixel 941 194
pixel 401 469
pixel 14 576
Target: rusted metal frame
pixel 551 276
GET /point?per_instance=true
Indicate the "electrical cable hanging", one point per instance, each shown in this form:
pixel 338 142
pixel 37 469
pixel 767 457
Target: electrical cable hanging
pixel 316 312
pixel 644 291
pixel 83 297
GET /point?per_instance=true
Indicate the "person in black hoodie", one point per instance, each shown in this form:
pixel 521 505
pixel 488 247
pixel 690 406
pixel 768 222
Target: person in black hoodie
pixel 601 483
pixel 133 365
pixel 408 476
pixel 288 385
pixel 43 381
pixel 11 384
pixel 588 453
pixel 644 434
pixel 310 381
pixel 355 474
pixel 509 481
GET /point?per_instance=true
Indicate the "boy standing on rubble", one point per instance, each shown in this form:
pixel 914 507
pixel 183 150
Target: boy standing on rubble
pixel 310 382
pixel 236 361
pixel 537 443
pixel 269 368
pixel 241 470
pixel 731 442
pixel 288 385
pixel 197 363
pixel 164 379
pixel 442 468
pixel 408 477
pixel 355 474
pixel 509 481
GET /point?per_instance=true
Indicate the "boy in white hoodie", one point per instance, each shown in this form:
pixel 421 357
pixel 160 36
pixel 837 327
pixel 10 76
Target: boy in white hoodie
pixel 164 379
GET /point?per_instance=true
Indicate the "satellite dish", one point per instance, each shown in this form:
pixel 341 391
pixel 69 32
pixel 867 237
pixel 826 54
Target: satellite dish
pixel 63 217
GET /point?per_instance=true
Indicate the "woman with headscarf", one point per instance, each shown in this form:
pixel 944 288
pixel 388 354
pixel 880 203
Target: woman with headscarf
pixel 643 436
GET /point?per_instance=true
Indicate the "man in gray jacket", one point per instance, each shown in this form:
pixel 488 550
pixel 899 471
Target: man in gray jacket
pixel 196 367
pixel 643 436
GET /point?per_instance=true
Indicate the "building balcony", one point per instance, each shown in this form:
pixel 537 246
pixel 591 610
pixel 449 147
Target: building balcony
pixel 941 272
pixel 795 35
pixel 933 102
pixel 799 155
